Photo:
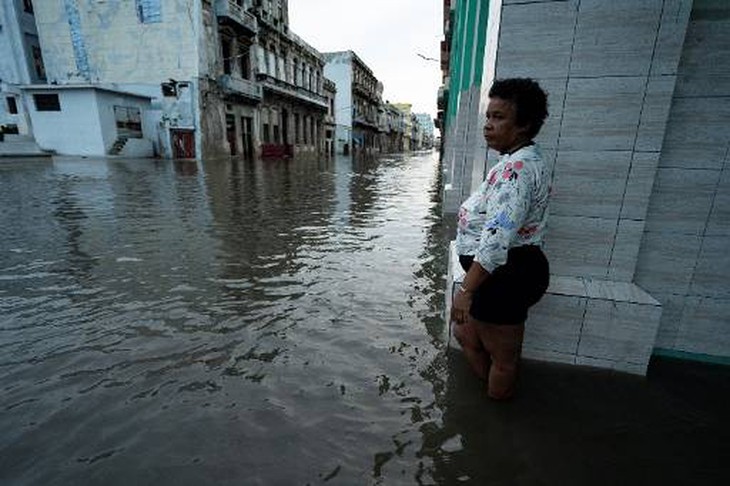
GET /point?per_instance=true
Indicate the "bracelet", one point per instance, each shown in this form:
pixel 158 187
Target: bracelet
pixel 463 290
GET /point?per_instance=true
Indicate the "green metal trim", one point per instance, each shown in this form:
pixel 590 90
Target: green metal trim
pixel 481 41
pixel 685 355
pixel 467 74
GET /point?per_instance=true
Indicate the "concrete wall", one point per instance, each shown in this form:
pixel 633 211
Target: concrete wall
pixel 683 259
pixel 87 48
pixel 15 65
pixel 105 102
pixel 106 42
pixel 339 70
pixel 75 130
pixel 86 124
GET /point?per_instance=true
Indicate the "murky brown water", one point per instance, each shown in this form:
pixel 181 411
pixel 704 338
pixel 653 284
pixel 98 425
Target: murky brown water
pixel 227 322
pixel 280 323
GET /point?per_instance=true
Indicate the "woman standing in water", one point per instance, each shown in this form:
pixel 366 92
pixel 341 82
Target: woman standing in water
pixel 499 238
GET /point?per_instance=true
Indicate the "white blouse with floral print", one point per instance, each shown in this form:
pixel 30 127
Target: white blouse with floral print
pixel 508 210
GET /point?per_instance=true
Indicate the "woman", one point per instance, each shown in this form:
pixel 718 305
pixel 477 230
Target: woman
pixel 499 239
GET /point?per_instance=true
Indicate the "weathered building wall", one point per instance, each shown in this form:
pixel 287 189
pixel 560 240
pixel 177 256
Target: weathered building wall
pixel 133 47
pixel 211 138
pixel 684 260
pixel 86 123
pixel 82 39
pixel 75 130
pixel 339 70
pixel 16 61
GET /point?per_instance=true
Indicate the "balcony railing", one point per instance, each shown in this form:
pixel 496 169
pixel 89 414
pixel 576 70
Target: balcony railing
pixel 297 92
pixel 240 87
pixel 365 121
pixel 231 10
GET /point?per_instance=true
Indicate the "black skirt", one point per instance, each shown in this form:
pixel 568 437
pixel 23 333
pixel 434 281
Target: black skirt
pixel 512 288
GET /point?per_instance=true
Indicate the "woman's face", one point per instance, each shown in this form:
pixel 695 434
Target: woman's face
pixel 501 130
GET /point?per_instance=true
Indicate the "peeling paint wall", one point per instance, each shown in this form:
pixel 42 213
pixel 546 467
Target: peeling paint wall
pixel 134 45
pixel 339 70
pixel 82 37
pixel 212 139
pixel 81 56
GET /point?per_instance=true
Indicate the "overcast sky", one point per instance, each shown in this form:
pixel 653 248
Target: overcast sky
pixel 387 35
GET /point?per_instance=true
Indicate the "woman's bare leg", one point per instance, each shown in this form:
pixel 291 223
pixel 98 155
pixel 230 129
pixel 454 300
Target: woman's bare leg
pixel 468 336
pixel 504 344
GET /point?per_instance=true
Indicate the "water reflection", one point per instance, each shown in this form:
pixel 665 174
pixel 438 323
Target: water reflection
pixel 220 319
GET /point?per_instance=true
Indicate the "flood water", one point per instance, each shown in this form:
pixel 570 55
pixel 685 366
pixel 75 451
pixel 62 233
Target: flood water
pixel 224 322
pixel 281 323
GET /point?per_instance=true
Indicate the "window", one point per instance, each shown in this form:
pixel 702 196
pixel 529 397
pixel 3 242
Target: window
pixel 149 11
pixel 28 6
pixel 244 61
pixel 40 70
pixel 12 105
pixel 276 133
pixel 226 51
pixel 129 121
pixel 267 136
pixel 297 136
pixel 47 102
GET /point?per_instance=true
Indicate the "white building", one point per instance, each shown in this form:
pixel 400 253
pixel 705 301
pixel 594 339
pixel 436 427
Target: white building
pixel 64 123
pixel 21 61
pixel 357 101
pixel 192 59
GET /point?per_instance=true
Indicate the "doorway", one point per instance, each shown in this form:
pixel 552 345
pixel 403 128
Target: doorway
pixel 247 137
pixel 231 133
pixel 183 143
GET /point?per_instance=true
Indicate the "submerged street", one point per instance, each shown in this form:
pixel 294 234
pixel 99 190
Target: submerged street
pixel 281 322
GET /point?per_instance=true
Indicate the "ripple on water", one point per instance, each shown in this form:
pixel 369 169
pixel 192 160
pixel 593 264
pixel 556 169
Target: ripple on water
pixel 264 320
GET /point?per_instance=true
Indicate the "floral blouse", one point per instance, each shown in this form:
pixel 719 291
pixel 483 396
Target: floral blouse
pixel 509 209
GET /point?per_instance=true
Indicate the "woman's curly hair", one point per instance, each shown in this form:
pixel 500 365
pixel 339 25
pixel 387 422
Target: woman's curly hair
pixel 529 98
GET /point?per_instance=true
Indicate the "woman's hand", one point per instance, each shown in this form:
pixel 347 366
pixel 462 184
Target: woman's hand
pixel 460 306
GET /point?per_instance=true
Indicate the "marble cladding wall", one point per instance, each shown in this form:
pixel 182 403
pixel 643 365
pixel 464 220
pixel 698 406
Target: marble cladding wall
pixel 583 321
pixel 610 69
pixel 639 144
pixel 684 259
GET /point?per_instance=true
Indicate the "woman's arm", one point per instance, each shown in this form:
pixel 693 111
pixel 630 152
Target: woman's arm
pixel 462 300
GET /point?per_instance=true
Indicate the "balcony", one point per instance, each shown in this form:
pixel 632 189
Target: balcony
pixel 365 121
pixel 229 11
pixel 296 92
pixel 240 87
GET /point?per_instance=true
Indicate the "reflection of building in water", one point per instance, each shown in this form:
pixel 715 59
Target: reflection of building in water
pixel 637 270
pixel 268 213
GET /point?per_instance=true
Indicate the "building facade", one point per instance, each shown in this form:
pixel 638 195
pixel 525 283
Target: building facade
pixel 637 142
pixel 359 95
pixel 330 125
pixel 291 74
pixel 21 62
pixel 427 128
pixel 225 77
